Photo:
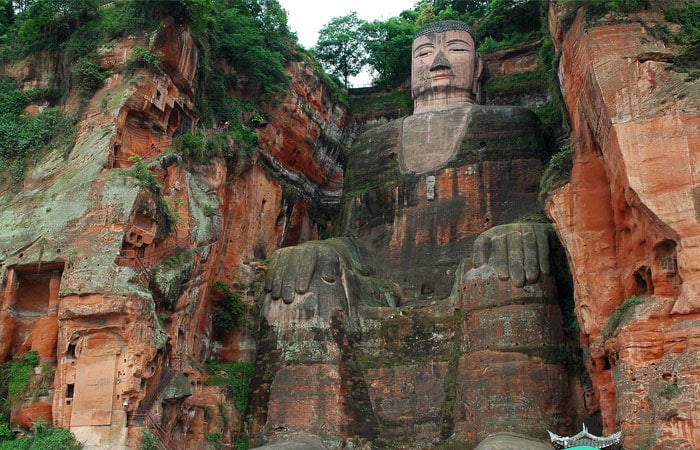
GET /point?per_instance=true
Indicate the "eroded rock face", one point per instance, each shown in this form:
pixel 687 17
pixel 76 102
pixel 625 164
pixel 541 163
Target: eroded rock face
pixel 78 243
pixel 628 221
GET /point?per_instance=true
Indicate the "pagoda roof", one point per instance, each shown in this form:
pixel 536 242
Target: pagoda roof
pixel 585 440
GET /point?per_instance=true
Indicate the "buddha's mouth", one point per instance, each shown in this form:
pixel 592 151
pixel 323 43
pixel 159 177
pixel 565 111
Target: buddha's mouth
pixel 440 76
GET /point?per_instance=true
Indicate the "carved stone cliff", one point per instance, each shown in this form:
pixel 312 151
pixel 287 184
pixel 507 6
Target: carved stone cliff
pixel 629 222
pixel 110 277
pixel 114 284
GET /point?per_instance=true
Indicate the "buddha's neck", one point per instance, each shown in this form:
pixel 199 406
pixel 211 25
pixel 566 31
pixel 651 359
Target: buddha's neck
pixel 440 103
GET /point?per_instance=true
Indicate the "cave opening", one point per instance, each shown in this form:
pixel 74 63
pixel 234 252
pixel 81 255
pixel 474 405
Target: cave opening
pixel 34 301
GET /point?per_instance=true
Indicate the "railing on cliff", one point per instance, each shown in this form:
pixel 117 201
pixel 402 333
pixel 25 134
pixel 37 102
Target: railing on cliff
pixel 165 379
pixel 148 420
pixel 141 265
pixel 144 417
pixel 154 150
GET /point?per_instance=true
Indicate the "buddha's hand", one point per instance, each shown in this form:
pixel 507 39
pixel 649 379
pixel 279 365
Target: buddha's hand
pixel 304 282
pixel 517 251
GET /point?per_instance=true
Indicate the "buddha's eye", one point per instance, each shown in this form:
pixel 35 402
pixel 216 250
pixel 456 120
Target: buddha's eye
pixel 458 49
pixel 423 51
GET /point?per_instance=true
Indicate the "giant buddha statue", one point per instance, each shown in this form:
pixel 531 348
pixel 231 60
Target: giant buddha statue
pixel 422 194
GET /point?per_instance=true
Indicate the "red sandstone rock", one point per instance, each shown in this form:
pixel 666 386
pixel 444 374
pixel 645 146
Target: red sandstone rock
pixel 627 219
pixel 629 224
pixel 508 61
pixel 108 346
pixel 29 414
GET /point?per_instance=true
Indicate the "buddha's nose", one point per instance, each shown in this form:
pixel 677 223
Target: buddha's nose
pixel 440 62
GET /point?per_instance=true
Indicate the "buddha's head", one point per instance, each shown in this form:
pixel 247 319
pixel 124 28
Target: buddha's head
pixel 445 68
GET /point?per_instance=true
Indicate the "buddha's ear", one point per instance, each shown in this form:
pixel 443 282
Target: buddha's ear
pixel 479 68
pixel 476 86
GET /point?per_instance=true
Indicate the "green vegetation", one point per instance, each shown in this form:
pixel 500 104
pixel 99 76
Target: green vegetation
pixel 507 23
pixel 149 441
pixel 191 144
pixel 651 435
pixel 143 174
pixel 167 217
pixel 388 48
pixel 518 83
pixel 212 437
pixel 209 211
pixel 230 311
pixel 23 137
pixel 490 45
pixel 618 315
pixel 20 369
pixel 689 37
pixel 595 9
pixel 236 376
pixel 669 390
pixel 17 382
pixel 347 43
pixel 143 58
pixel 236 143
pixel 6 433
pixel 169 278
pixel 395 103
pixel 244 45
pixel 339 46
pixel 252 36
pixel 557 171
pixel 87 76
pixel 43 437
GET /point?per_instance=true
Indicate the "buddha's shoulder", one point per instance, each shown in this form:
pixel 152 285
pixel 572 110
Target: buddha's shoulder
pixel 499 118
pixel 501 133
pixel 489 116
pixel 482 127
pixel 384 134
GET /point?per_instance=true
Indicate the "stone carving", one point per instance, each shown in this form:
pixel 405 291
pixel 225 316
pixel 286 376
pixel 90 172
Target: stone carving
pixel 445 69
pixel 418 191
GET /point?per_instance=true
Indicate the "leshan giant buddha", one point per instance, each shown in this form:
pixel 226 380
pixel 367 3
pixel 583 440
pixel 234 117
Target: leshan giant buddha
pixel 418 191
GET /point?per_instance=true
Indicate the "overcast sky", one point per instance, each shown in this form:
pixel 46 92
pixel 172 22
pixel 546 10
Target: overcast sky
pixel 307 17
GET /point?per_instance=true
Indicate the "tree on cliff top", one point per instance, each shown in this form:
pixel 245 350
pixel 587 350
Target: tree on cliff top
pixel 388 47
pixel 339 46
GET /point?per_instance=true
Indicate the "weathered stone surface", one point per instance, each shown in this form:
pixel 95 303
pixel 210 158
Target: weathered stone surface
pixel 77 243
pixel 417 242
pixel 627 219
pixel 511 441
pixel 30 414
pixel 512 331
pixel 514 60
pixel 303 442
pixel 73 239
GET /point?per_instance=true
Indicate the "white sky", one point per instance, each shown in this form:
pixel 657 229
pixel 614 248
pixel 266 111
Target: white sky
pixel 307 17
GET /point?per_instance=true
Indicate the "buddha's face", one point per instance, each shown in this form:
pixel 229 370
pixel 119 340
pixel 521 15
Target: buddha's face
pixel 444 70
